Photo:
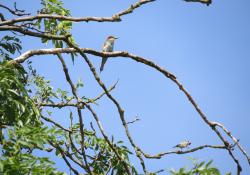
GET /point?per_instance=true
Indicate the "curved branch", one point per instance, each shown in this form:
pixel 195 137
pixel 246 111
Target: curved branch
pixel 31 53
pixel 236 141
pixel 160 155
pixel 114 18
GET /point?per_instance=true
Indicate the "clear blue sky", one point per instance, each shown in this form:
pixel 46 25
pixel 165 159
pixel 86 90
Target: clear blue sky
pixel 207 48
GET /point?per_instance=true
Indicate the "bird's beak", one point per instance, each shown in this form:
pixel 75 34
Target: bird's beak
pixel 116 38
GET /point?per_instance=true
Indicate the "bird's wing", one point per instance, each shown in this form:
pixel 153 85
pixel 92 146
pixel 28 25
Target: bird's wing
pixel 108 46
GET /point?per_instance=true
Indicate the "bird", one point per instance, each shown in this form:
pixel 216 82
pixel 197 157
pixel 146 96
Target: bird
pixel 183 144
pixel 107 47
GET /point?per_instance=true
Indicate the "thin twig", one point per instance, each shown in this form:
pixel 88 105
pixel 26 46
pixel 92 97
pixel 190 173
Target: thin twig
pixel 134 120
pixel 16 11
pixel 236 141
pixel 64 157
pixel 56 124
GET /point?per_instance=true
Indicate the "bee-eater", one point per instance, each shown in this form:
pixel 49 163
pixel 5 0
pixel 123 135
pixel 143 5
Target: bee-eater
pixel 183 144
pixel 107 47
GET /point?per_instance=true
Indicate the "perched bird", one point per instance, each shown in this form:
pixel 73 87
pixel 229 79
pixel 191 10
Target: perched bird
pixel 183 144
pixel 107 47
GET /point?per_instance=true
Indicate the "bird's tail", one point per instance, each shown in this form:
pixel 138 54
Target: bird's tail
pixel 104 59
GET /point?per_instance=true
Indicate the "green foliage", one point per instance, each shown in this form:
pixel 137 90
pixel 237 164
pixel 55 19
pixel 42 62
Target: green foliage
pixel 17 150
pixel 199 168
pixel 54 7
pixel 43 92
pixel 105 156
pixel 27 164
pixel 21 130
pixel 101 157
pixel 16 105
pixel 54 26
pixel 9 45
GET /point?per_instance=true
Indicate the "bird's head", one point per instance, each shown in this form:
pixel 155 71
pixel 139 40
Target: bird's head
pixel 112 38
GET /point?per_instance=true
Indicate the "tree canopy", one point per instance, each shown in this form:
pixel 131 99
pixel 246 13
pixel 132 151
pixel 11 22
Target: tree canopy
pixel 29 103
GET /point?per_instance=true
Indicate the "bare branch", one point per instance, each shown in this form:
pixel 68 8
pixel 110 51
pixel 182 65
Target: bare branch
pixel 134 120
pixel 160 155
pixel 31 33
pixel 16 12
pixel 101 95
pixel 69 165
pixel 28 54
pixel 236 141
pixel 63 153
pixel 59 105
pixel 114 18
pixel 56 124
pixel 207 2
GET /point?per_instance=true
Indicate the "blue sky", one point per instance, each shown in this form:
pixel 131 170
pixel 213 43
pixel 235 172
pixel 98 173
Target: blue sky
pixel 207 48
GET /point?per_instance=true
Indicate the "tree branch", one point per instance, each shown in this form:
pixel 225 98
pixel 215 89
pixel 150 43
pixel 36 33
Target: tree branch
pixel 236 141
pixel 31 33
pixel 16 11
pixel 160 155
pixel 62 152
pixel 114 18
pixel 28 54
pixel 207 2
